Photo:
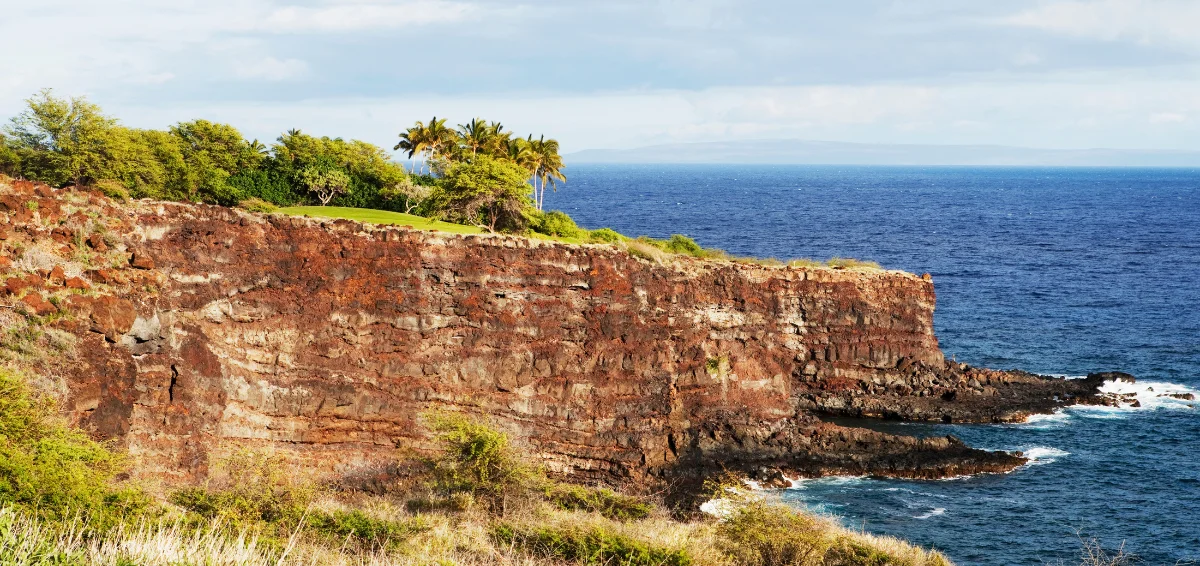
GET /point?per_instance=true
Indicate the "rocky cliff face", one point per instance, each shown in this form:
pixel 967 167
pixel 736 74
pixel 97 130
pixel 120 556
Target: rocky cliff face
pixel 201 329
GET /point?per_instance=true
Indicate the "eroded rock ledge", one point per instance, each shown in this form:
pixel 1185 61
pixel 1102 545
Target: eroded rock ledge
pixel 202 329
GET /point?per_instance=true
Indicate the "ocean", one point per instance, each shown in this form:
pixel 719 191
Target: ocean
pixel 1059 271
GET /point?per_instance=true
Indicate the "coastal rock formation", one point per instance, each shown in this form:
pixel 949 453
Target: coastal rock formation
pixel 202 329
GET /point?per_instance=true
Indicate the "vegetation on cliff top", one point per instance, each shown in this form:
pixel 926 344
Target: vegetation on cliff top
pixel 475 177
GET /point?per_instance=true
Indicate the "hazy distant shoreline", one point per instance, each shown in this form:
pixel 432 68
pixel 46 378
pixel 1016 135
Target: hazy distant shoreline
pixel 801 152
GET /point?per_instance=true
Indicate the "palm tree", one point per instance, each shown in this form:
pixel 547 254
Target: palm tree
pixel 475 135
pixel 415 141
pixel 439 138
pixel 517 151
pixel 498 139
pixel 546 165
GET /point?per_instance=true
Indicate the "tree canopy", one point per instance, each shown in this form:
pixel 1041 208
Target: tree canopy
pixel 477 173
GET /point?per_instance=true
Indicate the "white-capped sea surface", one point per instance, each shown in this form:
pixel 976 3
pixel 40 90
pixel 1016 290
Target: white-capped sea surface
pixel 1057 271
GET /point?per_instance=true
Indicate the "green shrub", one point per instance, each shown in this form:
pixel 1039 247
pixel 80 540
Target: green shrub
pixel 364 530
pixel 647 249
pixel 587 546
pixel 255 204
pixel 113 190
pixel 604 236
pixel 556 223
pixel 598 500
pixel 756 533
pixel 680 244
pixel 477 459
pixel 255 488
pixel 51 470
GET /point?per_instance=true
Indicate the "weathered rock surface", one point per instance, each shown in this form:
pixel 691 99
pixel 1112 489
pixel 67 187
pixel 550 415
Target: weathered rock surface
pixel 207 329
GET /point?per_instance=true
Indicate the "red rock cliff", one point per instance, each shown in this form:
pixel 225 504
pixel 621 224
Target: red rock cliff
pixel 327 340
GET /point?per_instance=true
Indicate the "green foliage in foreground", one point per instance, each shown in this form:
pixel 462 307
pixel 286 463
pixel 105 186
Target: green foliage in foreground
pixel 594 545
pixel 611 505
pixel 556 223
pixel 478 460
pixel 51 470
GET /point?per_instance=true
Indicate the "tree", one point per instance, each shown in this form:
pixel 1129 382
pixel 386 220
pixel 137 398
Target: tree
pixel 546 165
pixel 325 183
pixel 411 195
pixel 475 135
pixel 486 192
pixel 10 162
pixel 213 152
pixel 59 141
pixel 427 142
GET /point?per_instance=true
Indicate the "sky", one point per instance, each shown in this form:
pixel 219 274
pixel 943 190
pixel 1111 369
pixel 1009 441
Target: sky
pixel 627 73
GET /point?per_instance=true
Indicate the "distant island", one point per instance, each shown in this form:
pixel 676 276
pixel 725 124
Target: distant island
pixel 804 152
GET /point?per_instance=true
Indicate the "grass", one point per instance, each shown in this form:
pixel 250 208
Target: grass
pixel 256 513
pixel 380 217
pixel 564 230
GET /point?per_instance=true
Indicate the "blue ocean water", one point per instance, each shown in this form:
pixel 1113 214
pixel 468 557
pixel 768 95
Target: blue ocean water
pixel 1051 270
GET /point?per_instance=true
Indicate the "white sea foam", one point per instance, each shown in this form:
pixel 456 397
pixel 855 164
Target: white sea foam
pixel 1054 420
pixel 932 513
pixel 1039 455
pixel 719 508
pixel 802 483
pixel 1149 395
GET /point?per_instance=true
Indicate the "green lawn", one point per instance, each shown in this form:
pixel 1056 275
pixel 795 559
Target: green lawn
pixel 379 217
pixel 398 219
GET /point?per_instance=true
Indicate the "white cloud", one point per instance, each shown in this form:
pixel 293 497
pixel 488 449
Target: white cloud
pixel 271 69
pixel 1167 118
pixel 355 16
pixel 1078 113
pixel 1141 21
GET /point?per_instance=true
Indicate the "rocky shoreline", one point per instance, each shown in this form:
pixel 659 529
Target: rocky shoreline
pixel 201 329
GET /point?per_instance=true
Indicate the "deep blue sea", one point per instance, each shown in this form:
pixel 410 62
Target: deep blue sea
pixel 1052 270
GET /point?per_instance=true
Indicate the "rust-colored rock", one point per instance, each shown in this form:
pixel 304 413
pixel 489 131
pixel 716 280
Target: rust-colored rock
pixel 5 263
pixel 57 276
pixel 139 260
pixel 103 276
pixel 111 316
pixel 37 304
pixel 14 286
pixel 77 283
pixel 328 340
pixel 97 243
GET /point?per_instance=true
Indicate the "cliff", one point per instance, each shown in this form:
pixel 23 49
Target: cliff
pixel 200 329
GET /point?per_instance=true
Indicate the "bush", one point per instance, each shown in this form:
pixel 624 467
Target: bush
pixel 51 470
pixel 556 223
pixel 680 244
pixel 759 534
pixel 255 204
pixel 255 488
pixel 594 545
pixel 604 236
pixel 477 459
pixel 113 190
pixel 597 500
pixel 647 249
pixel 754 532
pixel 366 531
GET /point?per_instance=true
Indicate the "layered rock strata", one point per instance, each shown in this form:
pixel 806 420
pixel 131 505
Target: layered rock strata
pixel 202 329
